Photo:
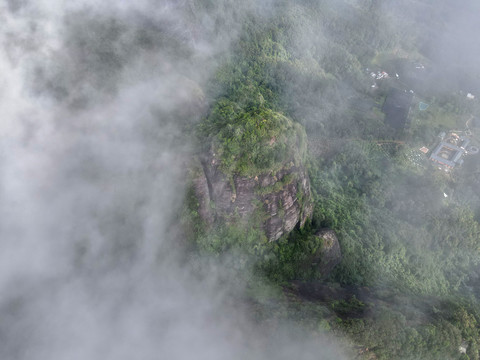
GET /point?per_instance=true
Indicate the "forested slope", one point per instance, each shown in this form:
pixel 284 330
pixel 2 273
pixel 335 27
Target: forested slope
pixel 408 233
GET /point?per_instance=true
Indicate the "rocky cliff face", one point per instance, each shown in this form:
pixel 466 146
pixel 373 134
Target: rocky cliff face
pixel 330 255
pixel 278 201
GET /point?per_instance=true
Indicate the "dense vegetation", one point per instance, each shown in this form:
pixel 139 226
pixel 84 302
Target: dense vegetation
pixel 252 141
pixel 407 232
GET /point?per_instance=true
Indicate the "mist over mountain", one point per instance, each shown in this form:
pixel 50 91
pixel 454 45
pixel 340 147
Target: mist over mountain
pixel 321 232
pixel 93 164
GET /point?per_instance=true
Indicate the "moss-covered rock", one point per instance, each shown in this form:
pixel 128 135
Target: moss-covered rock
pixel 254 172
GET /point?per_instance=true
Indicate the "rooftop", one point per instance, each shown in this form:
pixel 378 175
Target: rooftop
pixel 397 107
pixel 450 151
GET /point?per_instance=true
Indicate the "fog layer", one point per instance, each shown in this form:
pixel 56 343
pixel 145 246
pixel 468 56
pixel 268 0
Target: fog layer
pixel 94 97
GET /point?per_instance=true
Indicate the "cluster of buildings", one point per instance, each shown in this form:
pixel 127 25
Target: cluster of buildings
pixel 379 75
pixel 451 149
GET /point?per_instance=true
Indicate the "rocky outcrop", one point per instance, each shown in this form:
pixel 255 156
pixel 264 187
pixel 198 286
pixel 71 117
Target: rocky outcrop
pixel 202 192
pixel 330 254
pixel 278 201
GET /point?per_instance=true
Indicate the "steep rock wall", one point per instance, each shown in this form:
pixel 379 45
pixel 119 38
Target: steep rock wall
pixel 330 255
pixel 279 201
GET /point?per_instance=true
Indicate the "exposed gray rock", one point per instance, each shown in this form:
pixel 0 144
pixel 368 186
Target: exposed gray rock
pixel 330 255
pixel 284 197
pixel 200 187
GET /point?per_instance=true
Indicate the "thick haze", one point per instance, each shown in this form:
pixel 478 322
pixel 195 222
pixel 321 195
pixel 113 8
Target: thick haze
pixel 93 98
